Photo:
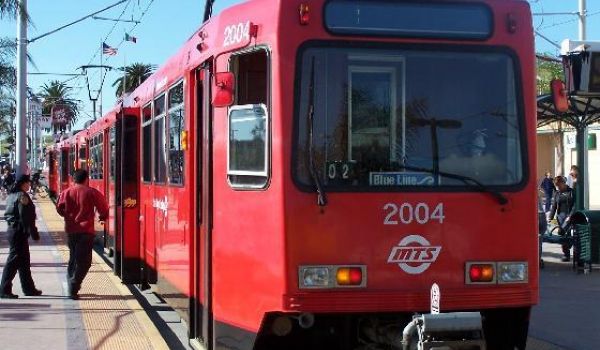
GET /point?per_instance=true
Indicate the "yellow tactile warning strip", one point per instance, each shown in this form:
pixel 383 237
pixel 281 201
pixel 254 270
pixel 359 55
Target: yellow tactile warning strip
pixel 112 317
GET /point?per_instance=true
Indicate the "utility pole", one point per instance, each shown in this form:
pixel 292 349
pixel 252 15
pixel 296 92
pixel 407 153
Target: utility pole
pixel 582 14
pixel 582 135
pixel 21 141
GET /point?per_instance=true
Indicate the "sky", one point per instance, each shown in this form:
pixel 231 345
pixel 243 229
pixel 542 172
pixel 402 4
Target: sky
pixel 556 28
pixel 166 24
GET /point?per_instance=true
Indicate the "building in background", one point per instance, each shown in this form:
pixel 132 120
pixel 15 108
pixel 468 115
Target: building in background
pixel 557 152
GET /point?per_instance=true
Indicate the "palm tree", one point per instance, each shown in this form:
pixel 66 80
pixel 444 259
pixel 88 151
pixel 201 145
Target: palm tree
pixel 135 74
pixel 7 115
pixel 8 81
pixel 56 93
pixel 7 70
pixel 10 8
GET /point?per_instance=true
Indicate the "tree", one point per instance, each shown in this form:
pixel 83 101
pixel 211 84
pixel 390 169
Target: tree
pixel 9 8
pixel 57 93
pixel 7 70
pixel 548 68
pixel 135 75
pixel 7 88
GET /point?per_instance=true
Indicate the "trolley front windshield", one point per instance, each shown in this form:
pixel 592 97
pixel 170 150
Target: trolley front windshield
pixel 385 119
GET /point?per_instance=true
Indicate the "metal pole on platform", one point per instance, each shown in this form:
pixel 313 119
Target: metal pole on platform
pixel 582 189
pixel 582 21
pixel 21 141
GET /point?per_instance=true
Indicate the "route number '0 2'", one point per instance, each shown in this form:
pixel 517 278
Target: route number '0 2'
pixel 407 213
pixel 236 34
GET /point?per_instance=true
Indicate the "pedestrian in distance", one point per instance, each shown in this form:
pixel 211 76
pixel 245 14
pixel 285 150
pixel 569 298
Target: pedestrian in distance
pixel 563 206
pixel 547 186
pixel 78 205
pixel 7 180
pixel 20 217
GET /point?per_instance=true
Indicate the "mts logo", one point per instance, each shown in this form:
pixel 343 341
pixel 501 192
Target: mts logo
pixel 414 254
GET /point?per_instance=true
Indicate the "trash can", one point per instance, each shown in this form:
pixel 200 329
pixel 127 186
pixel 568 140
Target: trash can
pixel 586 237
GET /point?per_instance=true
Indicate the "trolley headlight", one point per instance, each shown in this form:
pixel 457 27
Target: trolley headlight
pixel 314 277
pixel 512 272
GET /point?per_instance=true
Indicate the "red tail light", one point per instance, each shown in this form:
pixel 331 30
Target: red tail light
pixel 481 273
pixel 349 276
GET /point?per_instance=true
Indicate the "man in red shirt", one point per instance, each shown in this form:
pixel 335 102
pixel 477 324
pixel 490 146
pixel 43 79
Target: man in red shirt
pixel 78 205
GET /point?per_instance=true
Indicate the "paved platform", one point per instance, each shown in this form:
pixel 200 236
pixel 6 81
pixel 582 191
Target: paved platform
pixel 568 315
pixel 107 316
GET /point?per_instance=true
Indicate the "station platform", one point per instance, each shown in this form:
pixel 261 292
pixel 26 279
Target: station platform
pixel 107 316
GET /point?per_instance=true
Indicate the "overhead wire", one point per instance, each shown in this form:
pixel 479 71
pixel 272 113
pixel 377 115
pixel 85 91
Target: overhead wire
pixel 99 51
pixel 587 15
pixel 130 31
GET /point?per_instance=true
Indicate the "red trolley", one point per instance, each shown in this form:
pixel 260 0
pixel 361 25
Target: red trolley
pixel 300 173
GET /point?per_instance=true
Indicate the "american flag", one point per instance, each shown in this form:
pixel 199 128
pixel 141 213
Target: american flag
pixel 108 50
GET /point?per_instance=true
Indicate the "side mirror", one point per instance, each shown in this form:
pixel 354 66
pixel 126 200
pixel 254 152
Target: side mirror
pixel 223 89
pixel 559 95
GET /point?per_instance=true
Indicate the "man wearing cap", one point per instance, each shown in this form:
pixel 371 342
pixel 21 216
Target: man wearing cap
pixel 20 216
pixel 78 205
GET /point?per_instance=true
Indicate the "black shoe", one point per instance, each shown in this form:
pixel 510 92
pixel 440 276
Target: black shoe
pixel 35 293
pixel 8 296
pixel 565 259
pixel 74 296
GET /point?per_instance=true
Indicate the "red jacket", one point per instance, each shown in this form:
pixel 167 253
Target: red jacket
pixel 76 205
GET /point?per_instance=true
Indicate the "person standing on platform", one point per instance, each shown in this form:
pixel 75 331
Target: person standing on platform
pixel 547 186
pixel 20 217
pixel 563 205
pixel 573 176
pixel 78 205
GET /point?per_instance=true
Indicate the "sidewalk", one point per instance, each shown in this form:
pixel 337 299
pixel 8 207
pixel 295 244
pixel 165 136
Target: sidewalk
pixel 106 317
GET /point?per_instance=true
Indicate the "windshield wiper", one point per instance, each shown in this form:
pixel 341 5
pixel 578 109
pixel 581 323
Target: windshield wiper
pixel 467 180
pixel 322 197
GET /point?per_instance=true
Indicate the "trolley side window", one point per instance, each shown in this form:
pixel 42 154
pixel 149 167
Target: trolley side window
pixel 113 152
pixel 160 159
pixel 249 122
pixel 83 157
pixel 64 166
pixel 72 160
pixel 92 158
pixel 176 127
pixel 147 143
pixel 100 156
pixel 95 158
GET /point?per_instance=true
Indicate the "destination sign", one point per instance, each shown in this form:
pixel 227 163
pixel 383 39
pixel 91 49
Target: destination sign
pixel 400 179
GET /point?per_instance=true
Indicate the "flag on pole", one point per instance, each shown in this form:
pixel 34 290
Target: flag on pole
pixel 131 38
pixel 108 50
